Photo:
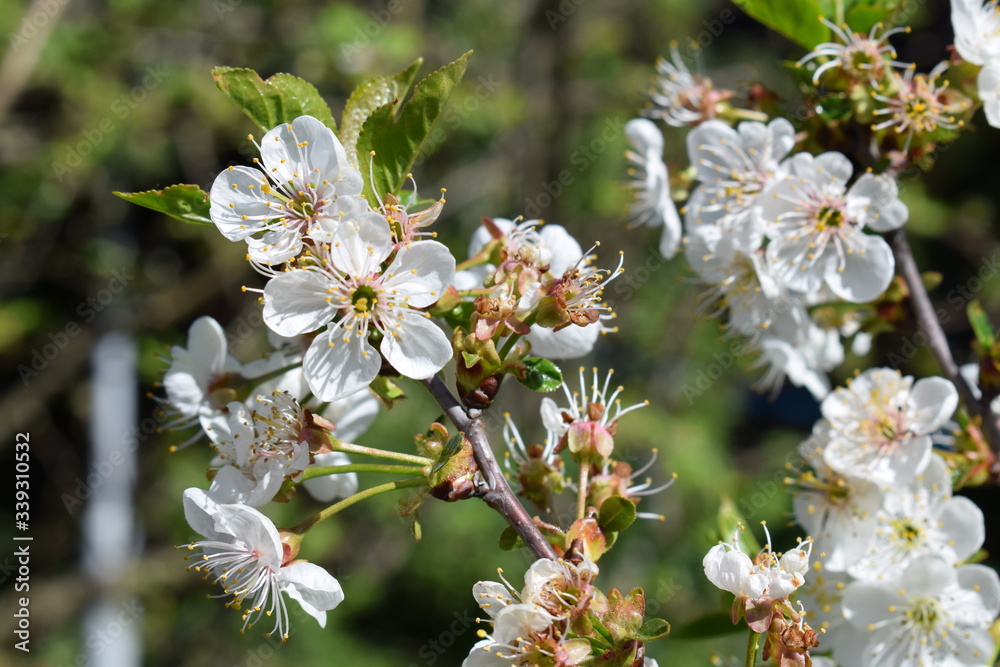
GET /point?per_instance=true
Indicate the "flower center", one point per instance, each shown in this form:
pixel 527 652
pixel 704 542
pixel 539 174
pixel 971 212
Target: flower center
pixel 364 299
pixel 924 614
pixel 829 217
pixel 904 530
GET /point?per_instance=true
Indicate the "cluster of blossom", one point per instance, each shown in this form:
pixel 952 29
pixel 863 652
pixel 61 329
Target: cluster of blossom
pixel 264 438
pixel 772 235
pixel 347 299
pixel 585 427
pixel 538 626
pixel 534 280
pixel 891 96
pixel 762 587
pixel 891 586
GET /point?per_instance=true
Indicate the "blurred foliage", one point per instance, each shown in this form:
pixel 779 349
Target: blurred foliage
pixel 96 97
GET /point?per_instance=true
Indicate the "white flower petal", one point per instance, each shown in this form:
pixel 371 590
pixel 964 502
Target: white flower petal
pixel 315 589
pixel 341 368
pixel 569 343
pixel 934 401
pixel 296 302
pixel 236 193
pixel 417 348
pixel 421 272
pixel 866 272
pixel 359 247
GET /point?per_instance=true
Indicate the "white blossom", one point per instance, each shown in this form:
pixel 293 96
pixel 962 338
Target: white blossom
pixel 243 553
pixel 770 574
pixel 881 424
pixel 651 203
pixel 838 511
pixel 347 291
pixel 735 167
pixel 530 627
pixel 932 614
pixel 679 97
pixel 804 358
pixel 921 518
pixel 303 172
pixel 860 55
pixel 816 226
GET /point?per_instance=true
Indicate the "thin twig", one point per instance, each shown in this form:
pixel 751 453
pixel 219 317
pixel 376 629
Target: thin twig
pixel 499 495
pixel 936 339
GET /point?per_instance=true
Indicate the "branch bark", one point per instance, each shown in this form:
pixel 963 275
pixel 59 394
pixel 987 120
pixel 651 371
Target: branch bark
pixel 499 495
pixel 936 339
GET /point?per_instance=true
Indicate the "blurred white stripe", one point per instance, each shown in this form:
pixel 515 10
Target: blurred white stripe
pixel 111 626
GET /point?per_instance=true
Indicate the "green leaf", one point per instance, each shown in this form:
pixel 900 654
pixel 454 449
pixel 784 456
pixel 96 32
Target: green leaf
pixel 616 513
pixel 280 99
pixel 981 324
pixel 539 374
pixel 397 135
pixel 367 97
pixel 652 628
pixel 795 19
pixel 862 15
pixel 711 625
pixel 510 540
pixel 729 519
pixel 188 203
pixel 387 390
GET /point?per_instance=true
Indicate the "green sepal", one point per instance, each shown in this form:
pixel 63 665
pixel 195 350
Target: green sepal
pixel 387 390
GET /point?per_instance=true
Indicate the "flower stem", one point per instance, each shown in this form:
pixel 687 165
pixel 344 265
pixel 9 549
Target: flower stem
pixel 320 471
pixel 936 339
pixel 498 493
pixel 339 446
pixel 753 643
pixel 581 497
pixel 509 345
pixel 512 341
pixel 357 497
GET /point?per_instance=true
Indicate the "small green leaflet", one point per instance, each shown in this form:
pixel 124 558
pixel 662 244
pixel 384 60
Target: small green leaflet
pixel 187 203
pixel 981 325
pixel 367 97
pixel 280 99
pixel 539 374
pixel 795 19
pixel 397 135
pixel 616 513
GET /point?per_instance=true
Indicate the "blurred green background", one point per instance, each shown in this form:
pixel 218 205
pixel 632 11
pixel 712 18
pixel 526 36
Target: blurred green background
pixel 117 95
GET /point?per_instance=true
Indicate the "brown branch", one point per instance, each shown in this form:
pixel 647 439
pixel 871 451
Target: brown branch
pixel 936 339
pixel 499 495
